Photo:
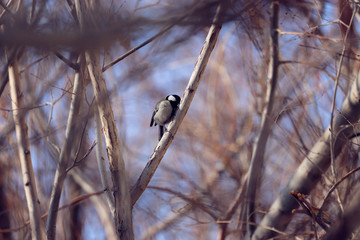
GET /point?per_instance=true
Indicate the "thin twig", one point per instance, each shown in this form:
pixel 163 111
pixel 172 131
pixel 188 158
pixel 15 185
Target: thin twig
pixel 315 213
pixel 33 63
pixel 311 35
pixel 25 108
pixel 193 202
pixel 68 91
pixel 137 47
pixel 338 183
pixel 166 223
pixel 164 30
pixel 76 162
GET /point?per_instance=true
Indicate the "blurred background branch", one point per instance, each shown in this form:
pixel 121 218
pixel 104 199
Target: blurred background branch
pixel 144 50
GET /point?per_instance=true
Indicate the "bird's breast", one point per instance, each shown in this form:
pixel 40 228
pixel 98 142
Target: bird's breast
pixel 163 115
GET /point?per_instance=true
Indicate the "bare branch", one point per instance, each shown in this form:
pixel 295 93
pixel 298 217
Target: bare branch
pixel 68 144
pixel 33 203
pixel 313 165
pixel 123 210
pixel 131 51
pixel 101 165
pixel 257 160
pixel 123 217
pixel 189 94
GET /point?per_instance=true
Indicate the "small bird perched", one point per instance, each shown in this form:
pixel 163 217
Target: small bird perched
pixel 164 112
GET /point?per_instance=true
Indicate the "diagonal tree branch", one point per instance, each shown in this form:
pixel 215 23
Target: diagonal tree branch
pixel 313 165
pixel 189 94
pixel 131 51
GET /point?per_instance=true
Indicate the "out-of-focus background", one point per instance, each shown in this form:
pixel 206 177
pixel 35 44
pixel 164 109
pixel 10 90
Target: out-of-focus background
pixel 209 157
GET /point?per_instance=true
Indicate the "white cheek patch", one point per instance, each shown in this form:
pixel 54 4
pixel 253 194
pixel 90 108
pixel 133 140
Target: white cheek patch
pixel 172 98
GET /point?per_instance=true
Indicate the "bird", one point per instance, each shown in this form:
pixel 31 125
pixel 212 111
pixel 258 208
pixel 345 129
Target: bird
pixel 164 112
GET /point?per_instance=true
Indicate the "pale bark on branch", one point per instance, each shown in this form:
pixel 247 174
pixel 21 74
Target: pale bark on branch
pixel 188 96
pixel 123 210
pixel 313 165
pixel 123 215
pixel 23 145
pixel 101 165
